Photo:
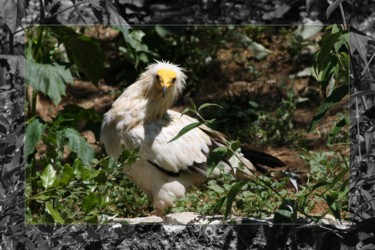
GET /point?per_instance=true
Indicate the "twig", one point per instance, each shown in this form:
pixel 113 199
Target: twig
pixel 67 8
pixel 343 15
pixel 11 41
pixel 42 11
pixel 368 65
pixel 20 30
pixel 358 129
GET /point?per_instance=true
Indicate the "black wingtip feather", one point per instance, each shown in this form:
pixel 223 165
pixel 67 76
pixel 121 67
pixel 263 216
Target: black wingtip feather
pixel 262 158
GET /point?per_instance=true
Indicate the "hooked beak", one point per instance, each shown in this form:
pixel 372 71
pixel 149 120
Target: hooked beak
pixel 163 90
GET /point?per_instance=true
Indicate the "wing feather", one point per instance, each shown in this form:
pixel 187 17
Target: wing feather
pixel 181 154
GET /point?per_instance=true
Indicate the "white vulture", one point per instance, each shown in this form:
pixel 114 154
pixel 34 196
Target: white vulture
pixel 141 118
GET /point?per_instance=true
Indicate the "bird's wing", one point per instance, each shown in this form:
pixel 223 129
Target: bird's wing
pixel 189 152
pixel 109 135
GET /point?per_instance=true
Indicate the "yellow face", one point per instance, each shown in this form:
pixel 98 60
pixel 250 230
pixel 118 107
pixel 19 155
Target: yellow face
pixel 166 79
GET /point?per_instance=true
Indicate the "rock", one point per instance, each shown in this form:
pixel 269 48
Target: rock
pixel 181 218
pixel 139 220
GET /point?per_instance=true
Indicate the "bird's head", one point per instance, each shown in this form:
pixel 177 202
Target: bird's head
pixel 167 78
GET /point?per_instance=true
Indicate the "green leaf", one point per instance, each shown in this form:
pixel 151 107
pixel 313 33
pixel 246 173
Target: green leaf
pixel 90 201
pixel 337 95
pixel 41 197
pixel 128 157
pixel 219 204
pixel 214 157
pixel 234 145
pixel 186 129
pixel 338 177
pixel 66 175
pixel 162 31
pixel 34 132
pixel 78 145
pixel 48 176
pixel 55 215
pixel 133 39
pixel 50 79
pixel 215 187
pixel 331 200
pixel 343 41
pixel 235 189
pixel 205 105
pixel 319 185
pixel 83 51
pixel 327 45
pixel 338 127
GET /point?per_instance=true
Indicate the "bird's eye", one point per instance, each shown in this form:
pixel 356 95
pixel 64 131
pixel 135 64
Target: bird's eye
pixel 173 80
pixel 158 77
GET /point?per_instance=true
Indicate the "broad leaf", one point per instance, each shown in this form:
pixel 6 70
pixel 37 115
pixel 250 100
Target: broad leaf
pixel 50 79
pixel 78 145
pixel 186 129
pixel 12 12
pixel 34 132
pixel 83 51
pixel 55 215
pixel 66 175
pixel 235 189
pixel 48 176
pixel 328 42
pixel 90 201
pixel 358 43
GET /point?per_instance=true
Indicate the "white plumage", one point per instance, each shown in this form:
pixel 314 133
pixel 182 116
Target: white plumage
pixel 140 117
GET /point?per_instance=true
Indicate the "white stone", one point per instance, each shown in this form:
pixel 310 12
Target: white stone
pixel 140 220
pixel 181 218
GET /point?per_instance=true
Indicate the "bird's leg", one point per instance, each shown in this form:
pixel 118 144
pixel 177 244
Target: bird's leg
pixel 159 213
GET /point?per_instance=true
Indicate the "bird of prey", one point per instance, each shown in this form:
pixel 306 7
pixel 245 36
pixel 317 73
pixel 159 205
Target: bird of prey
pixel 141 118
